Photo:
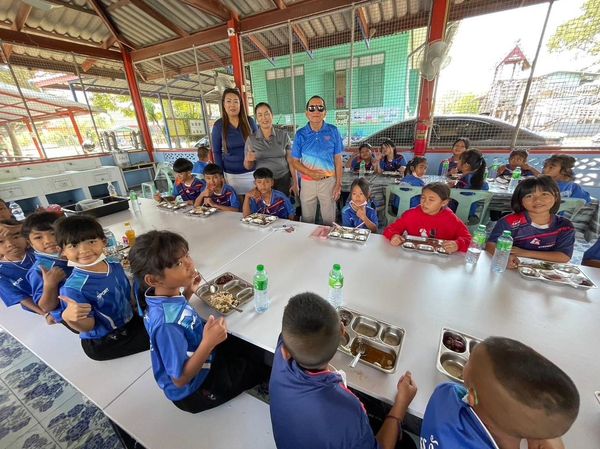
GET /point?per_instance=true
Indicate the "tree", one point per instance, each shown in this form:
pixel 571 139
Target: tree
pixel 580 33
pixel 466 104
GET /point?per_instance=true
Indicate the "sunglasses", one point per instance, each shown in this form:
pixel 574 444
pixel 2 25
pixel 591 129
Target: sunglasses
pixel 313 108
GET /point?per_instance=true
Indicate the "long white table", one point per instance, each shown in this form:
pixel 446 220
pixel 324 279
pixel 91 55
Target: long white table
pixel 420 293
pixel 423 293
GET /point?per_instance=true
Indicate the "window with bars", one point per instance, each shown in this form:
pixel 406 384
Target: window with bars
pixel 368 81
pixel 279 89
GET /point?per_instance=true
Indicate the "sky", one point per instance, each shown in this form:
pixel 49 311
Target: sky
pixel 482 42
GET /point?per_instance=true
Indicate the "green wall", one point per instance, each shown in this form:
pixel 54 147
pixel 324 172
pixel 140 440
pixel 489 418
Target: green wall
pixel 319 76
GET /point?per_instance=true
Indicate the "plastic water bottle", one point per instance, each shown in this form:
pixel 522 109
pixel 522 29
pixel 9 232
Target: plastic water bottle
pixel 111 244
pixel 503 247
pixel 476 246
pixel 445 167
pixel 16 210
pixel 514 181
pixel 336 285
pixel 135 203
pixel 362 169
pixel 111 189
pixel 494 170
pixel 261 290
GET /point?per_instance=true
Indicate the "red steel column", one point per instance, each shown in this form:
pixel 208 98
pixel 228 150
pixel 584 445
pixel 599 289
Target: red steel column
pixel 76 127
pixel 437 31
pixel 237 58
pixel 34 138
pixel 138 105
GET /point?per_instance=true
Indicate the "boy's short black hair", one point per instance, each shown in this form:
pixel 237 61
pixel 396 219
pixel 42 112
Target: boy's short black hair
pixel 213 169
pixel 441 189
pixel 519 152
pixel 532 379
pixel 310 330
pixel 11 222
pixel 529 185
pixel 77 228
pixel 39 221
pixel 263 173
pixel 566 162
pixel 155 251
pixel 203 151
pixel 182 165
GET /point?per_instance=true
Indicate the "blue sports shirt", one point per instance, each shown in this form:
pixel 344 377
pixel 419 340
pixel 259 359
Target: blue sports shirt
pixel 14 286
pixel 191 192
pixel 36 280
pixel 570 189
pixel 350 219
pixel 227 197
pixel 280 206
pixel 317 149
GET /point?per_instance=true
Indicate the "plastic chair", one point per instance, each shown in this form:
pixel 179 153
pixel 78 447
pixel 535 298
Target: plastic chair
pixel 467 204
pixel 570 206
pixel 148 190
pixel 404 194
pixel 164 179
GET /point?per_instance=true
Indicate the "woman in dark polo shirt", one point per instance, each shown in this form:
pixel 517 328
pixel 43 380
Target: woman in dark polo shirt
pixel 270 148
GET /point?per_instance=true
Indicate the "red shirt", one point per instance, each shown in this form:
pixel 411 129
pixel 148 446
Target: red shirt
pixel 443 225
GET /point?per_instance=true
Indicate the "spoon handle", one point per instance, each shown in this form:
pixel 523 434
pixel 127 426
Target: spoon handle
pixel 355 360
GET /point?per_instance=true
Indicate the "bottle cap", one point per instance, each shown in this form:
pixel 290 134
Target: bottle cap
pixel 507 233
pixel 260 268
pixel 337 267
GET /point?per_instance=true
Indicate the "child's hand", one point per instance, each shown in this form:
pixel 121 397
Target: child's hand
pixel 254 193
pixel 157 197
pixel 361 213
pixel 513 262
pixel 450 246
pixel 189 202
pixel 407 389
pixel 53 276
pixel 555 443
pixel 215 331
pixel 49 319
pixel 397 240
pixel 209 202
pixel 75 312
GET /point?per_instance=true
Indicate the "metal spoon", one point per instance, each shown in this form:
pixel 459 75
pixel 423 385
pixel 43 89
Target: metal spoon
pixel 213 288
pixel 360 350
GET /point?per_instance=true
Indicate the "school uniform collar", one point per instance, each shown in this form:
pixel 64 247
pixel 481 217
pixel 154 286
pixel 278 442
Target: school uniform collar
pixel 156 300
pixel 96 273
pixel 312 131
pixel 553 219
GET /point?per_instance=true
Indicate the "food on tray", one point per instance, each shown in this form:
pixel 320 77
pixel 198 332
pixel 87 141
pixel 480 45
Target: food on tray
pixel 423 247
pixel 453 368
pixel 551 275
pixel 334 234
pixel 568 269
pixel 270 218
pixel 454 342
pixel 583 281
pixel 224 279
pixel 526 271
pixel 348 235
pixel 441 250
pixel 223 301
pixel 361 231
pixel 361 238
pixel 345 317
pixel 408 245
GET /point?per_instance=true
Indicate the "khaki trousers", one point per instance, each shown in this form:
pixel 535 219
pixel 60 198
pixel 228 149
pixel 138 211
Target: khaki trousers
pixel 318 192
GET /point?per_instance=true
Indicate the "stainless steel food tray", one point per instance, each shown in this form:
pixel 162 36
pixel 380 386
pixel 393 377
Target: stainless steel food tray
pixel 261 220
pixel 450 359
pixel 424 245
pixel 167 205
pixel 202 211
pixel 555 273
pixel 356 235
pixel 383 340
pixel 241 290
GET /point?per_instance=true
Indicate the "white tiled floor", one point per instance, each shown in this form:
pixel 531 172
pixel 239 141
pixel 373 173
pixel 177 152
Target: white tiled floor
pixel 39 410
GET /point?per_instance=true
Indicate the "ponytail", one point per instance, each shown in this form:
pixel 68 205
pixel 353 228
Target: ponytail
pixel 412 164
pixel 477 163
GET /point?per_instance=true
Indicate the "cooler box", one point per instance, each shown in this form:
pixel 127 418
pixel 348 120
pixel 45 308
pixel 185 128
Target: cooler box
pixel 110 205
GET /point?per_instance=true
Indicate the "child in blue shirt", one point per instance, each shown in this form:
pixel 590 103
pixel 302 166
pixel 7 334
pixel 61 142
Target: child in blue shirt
pixel 415 170
pixel 196 364
pixel 311 406
pixel 591 257
pixel 536 230
pixel 391 160
pixel 472 166
pixel 187 186
pixel 365 154
pixel 97 294
pixel 518 158
pixel 264 200
pixel 15 262
pixel 202 162
pixel 560 168
pixel 217 194
pixel 359 212
pixel 49 271
pixel 459 146
pixel 511 393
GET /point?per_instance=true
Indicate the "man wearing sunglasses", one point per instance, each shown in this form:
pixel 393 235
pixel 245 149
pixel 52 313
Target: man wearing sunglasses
pixel 317 155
